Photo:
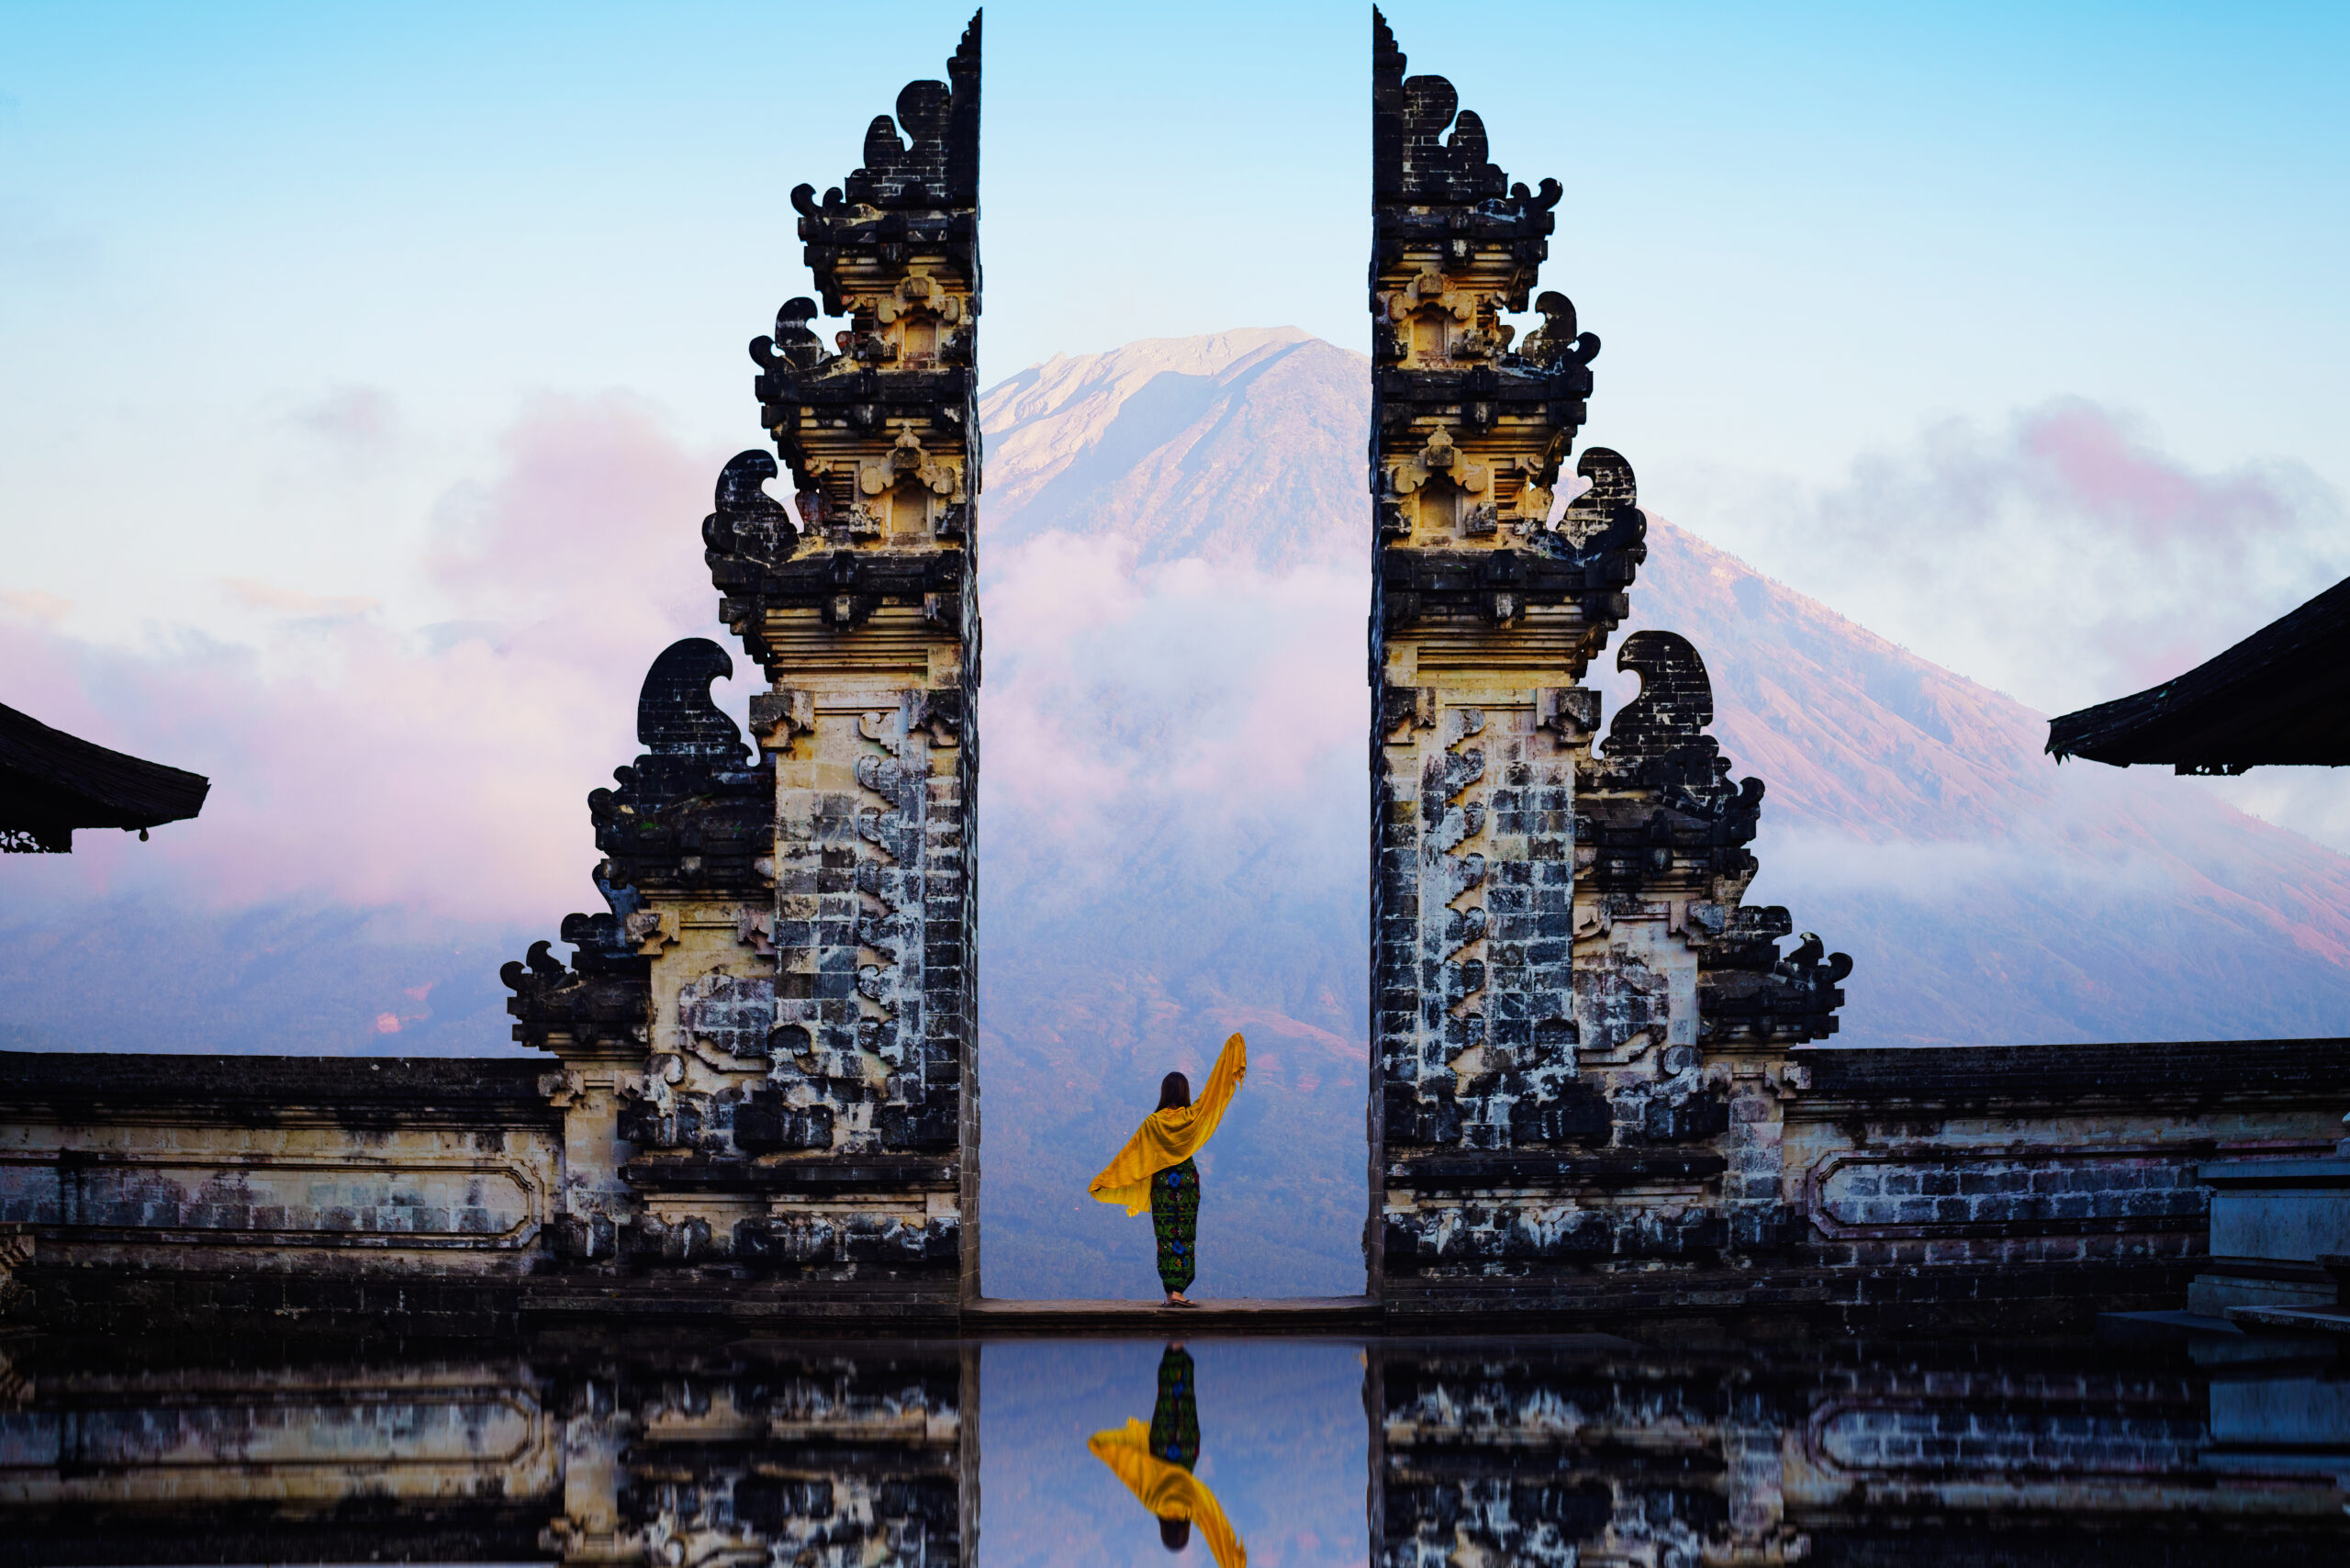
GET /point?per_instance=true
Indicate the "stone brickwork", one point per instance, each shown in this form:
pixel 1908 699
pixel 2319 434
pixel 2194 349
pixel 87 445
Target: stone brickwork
pixel 1959 1195
pixel 767 1038
pixel 1928 1190
pixel 144 1190
pixel 1987 1184
pixel 1578 1028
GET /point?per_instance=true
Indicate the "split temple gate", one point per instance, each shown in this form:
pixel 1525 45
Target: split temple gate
pixel 1582 1035
pixel 1598 1087
pixel 767 1041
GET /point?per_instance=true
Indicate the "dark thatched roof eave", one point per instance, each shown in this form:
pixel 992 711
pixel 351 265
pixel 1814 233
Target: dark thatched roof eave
pixel 51 783
pixel 2280 698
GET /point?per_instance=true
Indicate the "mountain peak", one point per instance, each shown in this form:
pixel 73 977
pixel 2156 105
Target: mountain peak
pixel 1243 444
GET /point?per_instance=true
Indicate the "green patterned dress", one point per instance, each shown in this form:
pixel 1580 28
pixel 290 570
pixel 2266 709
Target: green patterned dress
pixel 1175 1417
pixel 1175 1221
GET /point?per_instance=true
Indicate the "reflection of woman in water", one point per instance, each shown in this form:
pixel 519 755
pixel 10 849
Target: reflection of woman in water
pixel 1155 1167
pixel 1156 1462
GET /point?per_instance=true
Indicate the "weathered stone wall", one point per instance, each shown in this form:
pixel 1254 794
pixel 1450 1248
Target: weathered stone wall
pixel 1957 1190
pixel 150 1189
pixel 1979 1182
pixel 1943 1190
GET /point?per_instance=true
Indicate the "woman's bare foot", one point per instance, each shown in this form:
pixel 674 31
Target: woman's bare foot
pixel 1177 1298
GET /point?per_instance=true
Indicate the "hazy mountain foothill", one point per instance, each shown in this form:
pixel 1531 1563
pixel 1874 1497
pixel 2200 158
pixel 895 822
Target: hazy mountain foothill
pixel 1174 827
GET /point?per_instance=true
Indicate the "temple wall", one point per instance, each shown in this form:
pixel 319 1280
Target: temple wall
pixel 2043 1153
pixel 1942 1190
pixel 150 1189
pixel 2041 1175
pixel 1953 1188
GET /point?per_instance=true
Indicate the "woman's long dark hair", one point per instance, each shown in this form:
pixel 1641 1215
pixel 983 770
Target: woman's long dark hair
pixel 1174 1091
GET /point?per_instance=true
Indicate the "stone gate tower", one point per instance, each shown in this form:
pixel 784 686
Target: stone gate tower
pixel 1577 1029
pixel 767 1040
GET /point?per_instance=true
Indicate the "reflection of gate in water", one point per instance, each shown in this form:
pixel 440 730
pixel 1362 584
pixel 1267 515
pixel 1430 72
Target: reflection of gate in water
pixel 1525 1452
pixel 1575 1449
pixel 859 1456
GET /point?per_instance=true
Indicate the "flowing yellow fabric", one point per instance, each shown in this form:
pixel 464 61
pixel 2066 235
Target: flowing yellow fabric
pixel 1171 1136
pixel 1168 1490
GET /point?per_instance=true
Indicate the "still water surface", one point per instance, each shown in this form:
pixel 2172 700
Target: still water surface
pixel 1688 1449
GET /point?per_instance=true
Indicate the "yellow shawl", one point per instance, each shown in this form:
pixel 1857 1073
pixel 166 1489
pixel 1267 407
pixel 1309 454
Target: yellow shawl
pixel 1168 1490
pixel 1171 1136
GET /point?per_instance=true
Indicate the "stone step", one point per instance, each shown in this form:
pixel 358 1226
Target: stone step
pixel 2306 1319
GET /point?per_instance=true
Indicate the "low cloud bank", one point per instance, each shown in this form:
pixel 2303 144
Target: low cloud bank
pixel 396 808
pixel 440 767
pixel 2065 557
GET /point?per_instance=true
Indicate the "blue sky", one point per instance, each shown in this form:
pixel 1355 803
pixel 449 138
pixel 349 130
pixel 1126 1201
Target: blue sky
pixel 1803 233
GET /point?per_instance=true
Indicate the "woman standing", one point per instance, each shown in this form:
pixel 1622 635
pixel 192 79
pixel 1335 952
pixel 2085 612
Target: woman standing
pixel 1156 1168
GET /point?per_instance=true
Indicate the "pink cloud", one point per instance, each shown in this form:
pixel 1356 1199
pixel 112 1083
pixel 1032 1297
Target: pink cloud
pixel 2065 557
pixel 595 513
pixel 1190 690
pixel 2094 463
pixel 444 770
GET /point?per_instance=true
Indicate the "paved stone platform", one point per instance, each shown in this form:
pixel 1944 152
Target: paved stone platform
pixel 1280 1314
pixel 2314 1320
